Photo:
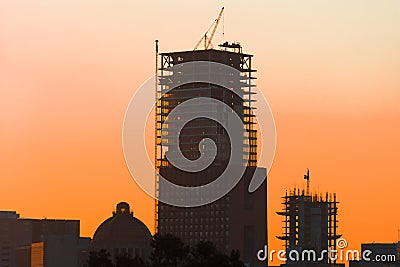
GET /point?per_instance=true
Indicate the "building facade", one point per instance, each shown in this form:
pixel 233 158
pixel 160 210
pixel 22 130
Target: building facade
pixel 39 243
pixel 310 223
pixel 237 220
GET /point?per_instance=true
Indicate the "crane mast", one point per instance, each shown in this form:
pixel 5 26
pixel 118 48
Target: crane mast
pixel 307 178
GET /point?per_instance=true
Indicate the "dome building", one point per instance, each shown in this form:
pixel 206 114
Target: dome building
pixel 123 234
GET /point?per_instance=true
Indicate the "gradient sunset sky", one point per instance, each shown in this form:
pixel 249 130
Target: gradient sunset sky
pixel 329 69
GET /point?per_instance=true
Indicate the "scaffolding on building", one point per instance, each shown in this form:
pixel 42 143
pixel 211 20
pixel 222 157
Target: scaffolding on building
pixel 298 225
pixel 169 96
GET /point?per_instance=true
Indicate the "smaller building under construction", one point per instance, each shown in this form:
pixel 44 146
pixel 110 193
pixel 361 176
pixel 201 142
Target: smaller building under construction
pixel 310 221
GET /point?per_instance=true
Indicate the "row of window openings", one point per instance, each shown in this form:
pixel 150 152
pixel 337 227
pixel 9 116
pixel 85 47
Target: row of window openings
pixel 169 84
pixel 203 208
pixel 176 103
pixel 217 208
pixel 202 234
pixel 130 251
pixel 195 227
pixel 191 213
pixel 250 149
pixel 193 196
pixel 197 240
pixel 195 220
pixel 197 193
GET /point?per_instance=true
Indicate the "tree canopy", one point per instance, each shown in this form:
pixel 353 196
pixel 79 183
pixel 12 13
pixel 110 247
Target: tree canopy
pixel 170 251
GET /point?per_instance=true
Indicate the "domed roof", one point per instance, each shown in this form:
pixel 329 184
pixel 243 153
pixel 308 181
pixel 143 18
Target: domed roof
pixel 122 227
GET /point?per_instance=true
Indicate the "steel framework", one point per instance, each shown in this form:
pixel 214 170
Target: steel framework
pixel 168 97
pixel 298 221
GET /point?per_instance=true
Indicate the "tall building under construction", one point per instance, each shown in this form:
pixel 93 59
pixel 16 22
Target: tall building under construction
pixel 238 220
pixel 310 223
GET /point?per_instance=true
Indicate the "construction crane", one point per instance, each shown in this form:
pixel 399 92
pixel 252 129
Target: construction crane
pixel 207 40
pixel 307 178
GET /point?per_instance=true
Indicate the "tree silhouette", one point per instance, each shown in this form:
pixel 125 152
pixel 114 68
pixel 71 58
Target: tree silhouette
pixel 168 251
pixel 100 259
pixel 125 260
pixel 205 253
pixel 234 259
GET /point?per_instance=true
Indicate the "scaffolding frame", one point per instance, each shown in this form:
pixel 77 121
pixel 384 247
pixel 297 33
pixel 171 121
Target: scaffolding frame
pixel 166 102
pixel 291 229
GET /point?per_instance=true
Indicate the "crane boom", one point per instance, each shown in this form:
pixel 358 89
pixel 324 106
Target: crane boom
pixel 207 40
pixel 215 27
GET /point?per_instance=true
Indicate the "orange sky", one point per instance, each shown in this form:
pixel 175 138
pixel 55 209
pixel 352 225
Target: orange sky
pixel 330 70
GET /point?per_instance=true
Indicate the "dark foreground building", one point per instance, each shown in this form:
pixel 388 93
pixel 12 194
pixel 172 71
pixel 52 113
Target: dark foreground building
pixel 378 255
pixel 40 243
pixel 238 220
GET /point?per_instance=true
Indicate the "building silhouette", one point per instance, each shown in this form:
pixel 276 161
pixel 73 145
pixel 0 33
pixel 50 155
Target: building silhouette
pixel 123 234
pixel 40 242
pixel 48 242
pixel 379 255
pixel 310 223
pixel 238 220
